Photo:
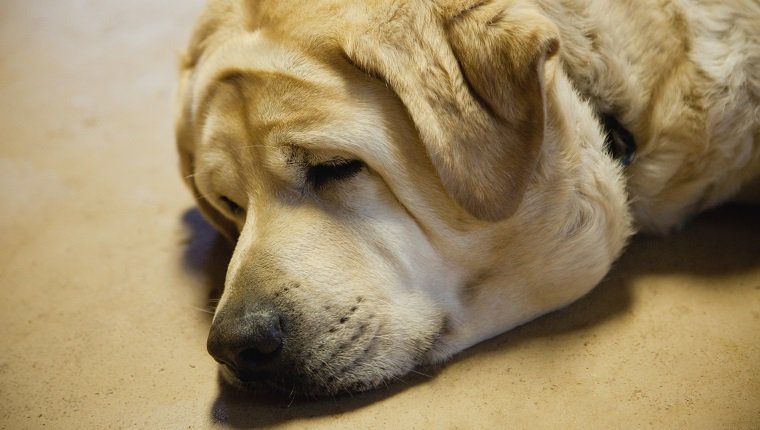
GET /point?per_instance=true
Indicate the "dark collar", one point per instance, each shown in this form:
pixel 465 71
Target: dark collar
pixel 618 140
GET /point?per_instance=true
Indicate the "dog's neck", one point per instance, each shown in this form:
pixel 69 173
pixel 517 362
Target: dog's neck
pixel 697 133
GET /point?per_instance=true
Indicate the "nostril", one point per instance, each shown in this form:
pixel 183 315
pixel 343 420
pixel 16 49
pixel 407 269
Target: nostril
pixel 270 342
pixel 253 358
pixel 265 343
pixel 248 344
pixel 260 354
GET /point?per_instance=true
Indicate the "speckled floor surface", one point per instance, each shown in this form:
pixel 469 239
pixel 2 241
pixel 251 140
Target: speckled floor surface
pixel 105 270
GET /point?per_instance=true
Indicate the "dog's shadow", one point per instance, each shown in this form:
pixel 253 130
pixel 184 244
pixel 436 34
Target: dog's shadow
pixel 718 243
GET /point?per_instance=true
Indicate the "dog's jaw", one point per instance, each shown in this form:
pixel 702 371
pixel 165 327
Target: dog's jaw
pixel 342 350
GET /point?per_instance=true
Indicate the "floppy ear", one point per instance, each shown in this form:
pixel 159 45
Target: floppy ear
pixel 472 79
pixel 185 121
pixel 185 139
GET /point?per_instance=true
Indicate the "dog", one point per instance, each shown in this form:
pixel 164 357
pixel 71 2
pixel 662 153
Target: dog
pixel 404 179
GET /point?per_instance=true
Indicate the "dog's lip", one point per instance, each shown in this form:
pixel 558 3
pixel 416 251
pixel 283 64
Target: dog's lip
pixel 246 377
pixel 317 384
pixel 231 377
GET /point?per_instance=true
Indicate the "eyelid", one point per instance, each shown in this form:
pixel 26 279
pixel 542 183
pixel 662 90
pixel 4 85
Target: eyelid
pixel 336 169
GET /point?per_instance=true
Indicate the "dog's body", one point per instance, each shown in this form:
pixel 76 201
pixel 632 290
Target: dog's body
pixel 408 178
pixel 684 78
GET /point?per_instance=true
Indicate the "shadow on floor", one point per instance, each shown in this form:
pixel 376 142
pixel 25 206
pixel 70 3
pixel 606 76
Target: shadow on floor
pixel 206 255
pixel 716 244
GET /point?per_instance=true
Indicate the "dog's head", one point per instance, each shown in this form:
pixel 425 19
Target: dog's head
pixel 384 169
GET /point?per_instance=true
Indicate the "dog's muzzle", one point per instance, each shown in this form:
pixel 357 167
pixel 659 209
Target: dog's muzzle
pixel 286 343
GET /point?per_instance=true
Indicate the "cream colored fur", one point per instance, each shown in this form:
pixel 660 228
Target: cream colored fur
pixel 487 198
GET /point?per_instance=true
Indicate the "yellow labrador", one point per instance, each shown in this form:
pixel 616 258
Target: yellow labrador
pixel 407 178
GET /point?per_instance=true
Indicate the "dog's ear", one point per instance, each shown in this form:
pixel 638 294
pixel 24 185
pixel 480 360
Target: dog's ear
pixel 185 139
pixel 185 121
pixel 472 79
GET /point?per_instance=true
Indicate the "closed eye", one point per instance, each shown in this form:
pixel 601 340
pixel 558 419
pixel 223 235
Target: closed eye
pixel 232 206
pixel 320 175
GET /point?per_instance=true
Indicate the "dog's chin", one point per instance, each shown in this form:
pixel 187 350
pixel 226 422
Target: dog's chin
pixel 309 380
pixel 306 388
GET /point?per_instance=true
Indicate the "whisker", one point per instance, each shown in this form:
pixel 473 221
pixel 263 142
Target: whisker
pixel 202 310
pixel 292 396
pixel 348 391
pixel 421 374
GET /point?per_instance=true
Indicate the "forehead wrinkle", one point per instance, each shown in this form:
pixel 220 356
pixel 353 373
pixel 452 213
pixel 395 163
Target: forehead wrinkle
pixel 266 109
pixel 353 127
pixel 281 90
pixel 247 52
pixel 279 104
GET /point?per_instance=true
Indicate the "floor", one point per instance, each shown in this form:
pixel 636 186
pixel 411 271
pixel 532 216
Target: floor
pixel 106 269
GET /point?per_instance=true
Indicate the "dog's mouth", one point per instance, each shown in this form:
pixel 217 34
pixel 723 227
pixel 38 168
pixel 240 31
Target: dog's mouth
pixel 371 361
pixel 296 344
pixel 308 388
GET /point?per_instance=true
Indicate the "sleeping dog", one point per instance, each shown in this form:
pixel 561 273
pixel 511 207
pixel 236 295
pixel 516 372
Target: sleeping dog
pixel 404 179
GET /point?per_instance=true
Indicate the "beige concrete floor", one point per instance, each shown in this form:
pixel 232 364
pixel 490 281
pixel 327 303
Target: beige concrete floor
pixel 105 270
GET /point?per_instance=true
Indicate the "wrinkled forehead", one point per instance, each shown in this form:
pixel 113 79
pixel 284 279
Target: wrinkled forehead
pixel 252 59
pixel 290 97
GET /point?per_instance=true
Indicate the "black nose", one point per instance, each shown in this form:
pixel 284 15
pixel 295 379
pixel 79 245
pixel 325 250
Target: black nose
pixel 246 340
